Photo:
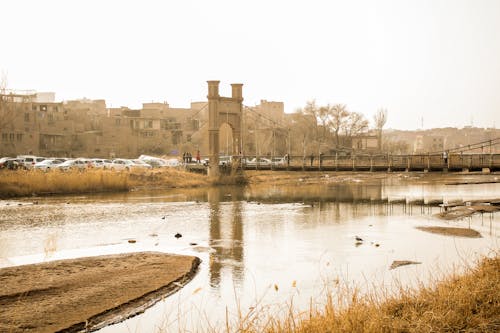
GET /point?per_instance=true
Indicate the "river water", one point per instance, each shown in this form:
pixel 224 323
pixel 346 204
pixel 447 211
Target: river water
pixel 264 250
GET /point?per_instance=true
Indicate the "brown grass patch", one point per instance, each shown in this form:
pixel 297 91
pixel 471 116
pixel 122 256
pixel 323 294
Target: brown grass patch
pixel 24 183
pixel 466 303
pixel 451 231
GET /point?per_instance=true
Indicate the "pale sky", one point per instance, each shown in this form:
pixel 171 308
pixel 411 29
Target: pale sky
pixel 433 59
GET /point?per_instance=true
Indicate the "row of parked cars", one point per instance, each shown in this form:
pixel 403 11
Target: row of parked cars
pixel 29 162
pixel 254 162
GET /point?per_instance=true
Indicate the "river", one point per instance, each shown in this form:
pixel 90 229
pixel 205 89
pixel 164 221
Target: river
pixel 264 249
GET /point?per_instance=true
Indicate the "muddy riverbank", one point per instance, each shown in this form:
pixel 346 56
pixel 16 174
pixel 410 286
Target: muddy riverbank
pixel 88 293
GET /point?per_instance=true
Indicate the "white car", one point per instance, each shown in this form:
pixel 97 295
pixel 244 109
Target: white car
pixel 101 163
pixel 126 164
pixel 261 161
pixel 28 161
pixel 155 162
pixel 47 164
pixel 225 160
pixel 278 161
pixel 76 164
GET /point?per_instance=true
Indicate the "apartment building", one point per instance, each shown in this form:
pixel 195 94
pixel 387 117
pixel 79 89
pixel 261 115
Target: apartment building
pixel 35 123
pixel 30 124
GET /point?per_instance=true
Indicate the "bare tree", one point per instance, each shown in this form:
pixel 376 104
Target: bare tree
pixel 355 123
pixel 305 126
pixel 325 114
pixel 380 118
pixel 7 113
pixel 3 82
pixel 339 115
pixel 314 113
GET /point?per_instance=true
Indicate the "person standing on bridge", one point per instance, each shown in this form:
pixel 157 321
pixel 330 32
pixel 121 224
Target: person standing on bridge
pixel 198 157
pixel 445 157
pixel 312 158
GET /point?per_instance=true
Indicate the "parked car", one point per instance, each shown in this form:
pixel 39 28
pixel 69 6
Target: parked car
pixel 11 163
pixel 28 161
pixel 225 160
pixel 278 161
pixel 101 163
pixel 155 162
pixel 261 161
pixel 75 164
pixel 47 164
pixel 3 160
pixel 140 164
pixel 128 165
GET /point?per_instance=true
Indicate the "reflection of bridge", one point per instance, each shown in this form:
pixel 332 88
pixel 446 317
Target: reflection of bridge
pixel 423 162
pixel 226 236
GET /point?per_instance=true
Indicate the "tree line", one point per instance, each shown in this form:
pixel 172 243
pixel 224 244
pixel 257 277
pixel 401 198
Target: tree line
pixel 334 123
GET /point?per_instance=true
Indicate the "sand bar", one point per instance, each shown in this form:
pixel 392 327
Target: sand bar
pixel 88 293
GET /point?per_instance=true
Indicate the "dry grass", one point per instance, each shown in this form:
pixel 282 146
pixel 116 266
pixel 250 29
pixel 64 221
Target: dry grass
pixel 466 303
pixel 24 183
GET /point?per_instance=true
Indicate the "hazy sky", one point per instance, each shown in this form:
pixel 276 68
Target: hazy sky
pixel 436 60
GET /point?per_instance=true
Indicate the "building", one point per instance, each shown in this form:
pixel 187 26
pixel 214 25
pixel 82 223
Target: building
pixel 34 123
pixel 428 144
pixel 365 143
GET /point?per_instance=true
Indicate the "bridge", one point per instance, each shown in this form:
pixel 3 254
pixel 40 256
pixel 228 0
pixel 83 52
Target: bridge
pixel 380 162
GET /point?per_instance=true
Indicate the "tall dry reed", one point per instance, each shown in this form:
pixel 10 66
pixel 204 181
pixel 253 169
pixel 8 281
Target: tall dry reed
pixel 469 302
pixel 32 182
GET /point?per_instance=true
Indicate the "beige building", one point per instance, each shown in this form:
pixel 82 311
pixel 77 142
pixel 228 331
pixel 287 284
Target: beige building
pixel 428 144
pixel 33 123
pixel 365 143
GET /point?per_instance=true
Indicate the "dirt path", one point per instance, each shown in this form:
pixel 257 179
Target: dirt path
pixel 88 293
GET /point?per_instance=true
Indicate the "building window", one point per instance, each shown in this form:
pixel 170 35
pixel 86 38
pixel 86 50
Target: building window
pixel 195 124
pixel 11 137
pixel 5 136
pixel 27 117
pixel 148 124
pixel 43 107
pixel 117 121
pixel 33 107
pixel 146 134
pixel 50 118
pixel 19 137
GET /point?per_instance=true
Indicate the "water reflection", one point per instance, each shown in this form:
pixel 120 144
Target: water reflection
pixel 226 237
pixel 316 193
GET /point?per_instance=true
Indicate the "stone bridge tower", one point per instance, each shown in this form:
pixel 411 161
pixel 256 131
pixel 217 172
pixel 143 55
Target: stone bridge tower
pixel 223 110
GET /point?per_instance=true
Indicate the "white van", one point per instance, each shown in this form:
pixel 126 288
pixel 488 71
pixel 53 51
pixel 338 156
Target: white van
pixel 28 161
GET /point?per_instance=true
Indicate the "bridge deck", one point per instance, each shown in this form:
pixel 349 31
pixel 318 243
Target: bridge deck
pixel 459 162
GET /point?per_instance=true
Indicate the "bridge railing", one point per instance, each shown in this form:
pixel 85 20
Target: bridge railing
pixel 383 162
